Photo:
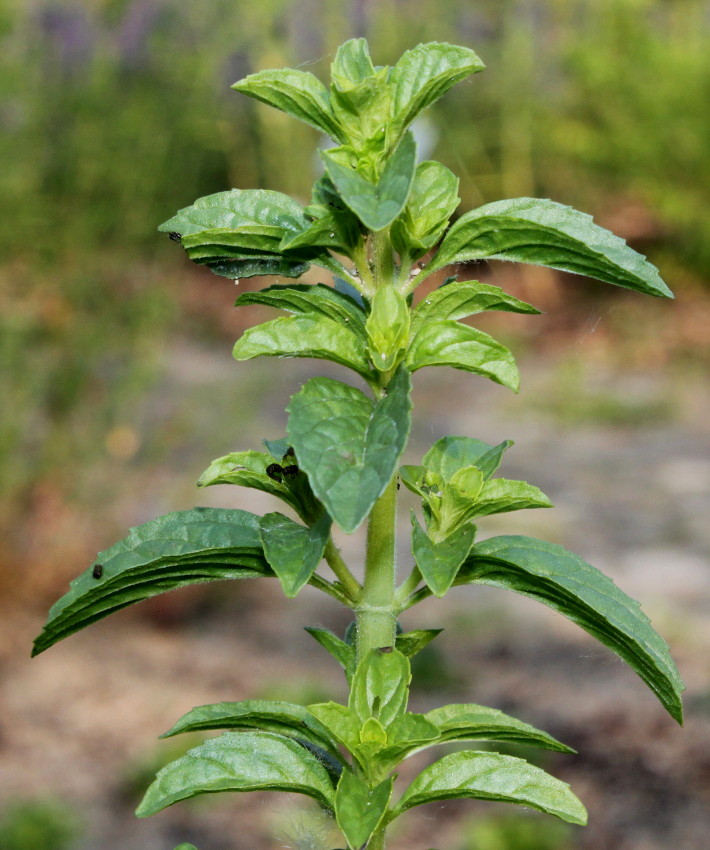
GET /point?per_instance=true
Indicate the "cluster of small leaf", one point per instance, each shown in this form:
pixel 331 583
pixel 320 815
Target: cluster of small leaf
pixel 374 215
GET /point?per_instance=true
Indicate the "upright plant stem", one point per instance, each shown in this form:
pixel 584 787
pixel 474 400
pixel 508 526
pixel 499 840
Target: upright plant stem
pixel 376 614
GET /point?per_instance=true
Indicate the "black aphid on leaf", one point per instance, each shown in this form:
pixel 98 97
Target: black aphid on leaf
pixel 175 236
pixel 275 471
pixel 290 471
pixel 98 571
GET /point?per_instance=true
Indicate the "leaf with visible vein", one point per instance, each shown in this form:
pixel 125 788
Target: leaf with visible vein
pixel 239 761
pixel 292 550
pixel 562 580
pixel 449 454
pixel 359 809
pixel 545 233
pixel 439 562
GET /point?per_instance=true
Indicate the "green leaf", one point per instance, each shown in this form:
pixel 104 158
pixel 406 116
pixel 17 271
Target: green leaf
pixel 248 469
pixel 261 211
pixel 334 230
pixel 256 267
pixel 376 205
pixel 277 448
pixel 500 495
pixel 186 847
pixel 311 299
pixel 239 761
pixel 293 550
pixel 359 809
pixel 468 722
pixel 281 718
pixel 568 584
pixel 528 230
pixel 423 74
pixel 387 328
pixel 457 300
pixel 304 336
pixel 349 447
pixel 352 64
pixel 491 776
pixel 449 343
pixel 340 722
pixel 179 549
pixel 408 734
pixel 380 686
pixel 432 200
pixel 297 93
pixel 449 454
pixel 410 643
pixel 439 562
pixel 343 652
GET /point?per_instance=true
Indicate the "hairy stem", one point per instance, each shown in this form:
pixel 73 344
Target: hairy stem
pixel 340 568
pixel 376 611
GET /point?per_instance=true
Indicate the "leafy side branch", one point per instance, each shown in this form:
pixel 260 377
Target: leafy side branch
pixel 380 222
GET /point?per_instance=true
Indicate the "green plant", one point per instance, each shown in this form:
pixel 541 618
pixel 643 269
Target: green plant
pixel 339 464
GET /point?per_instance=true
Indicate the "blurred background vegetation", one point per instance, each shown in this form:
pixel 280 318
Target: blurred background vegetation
pixel 115 113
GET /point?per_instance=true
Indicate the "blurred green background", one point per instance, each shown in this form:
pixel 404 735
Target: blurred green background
pixel 115 113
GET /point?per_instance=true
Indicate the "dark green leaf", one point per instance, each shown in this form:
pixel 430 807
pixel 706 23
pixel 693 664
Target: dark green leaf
pixel 246 268
pixel 298 93
pixel 305 336
pixel 423 74
pixel 432 200
pixel 282 718
pixel 277 448
pixel 491 776
pixel 380 686
pixel 311 299
pixel 293 550
pixel 260 210
pixel 410 643
pixel 439 562
pixel 349 447
pixel 457 300
pixel 337 231
pixel 568 584
pixel 343 652
pixel 359 809
pixel 182 548
pixel 449 343
pixel 528 230
pixel 449 454
pixel 376 205
pixel 239 761
pixel 468 722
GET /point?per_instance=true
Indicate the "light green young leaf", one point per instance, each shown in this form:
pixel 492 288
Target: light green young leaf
pixel 293 550
pixel 186 847
pixel 439 562
pixel 239 761
pixel 311 335
pixel 568 584
pixel 449 454
pixel 343 652
pixel 179 549
pixel 380 686
pixel 349 447
pixel 281 718
pixel 376 205
pixel 248 469
pixel 410 643
pixel 491 776
pixel 500 495
pixel 423 74
pixel 457 502
pixel 359 809
pixel 545 233
pixel 297 93
pixel 387 327
pixel 468 722
pixel 457 300
pixel 352 64
pixel 432 200
pixel 335 230
pixel 413 478
pixel 340 722
pixel 449 343
pixel 309 299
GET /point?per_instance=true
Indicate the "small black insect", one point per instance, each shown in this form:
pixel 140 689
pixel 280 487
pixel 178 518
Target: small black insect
pixel 98 571
pixel 289 452
pixel 291 471
pixel 175 236
pixel 275 471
